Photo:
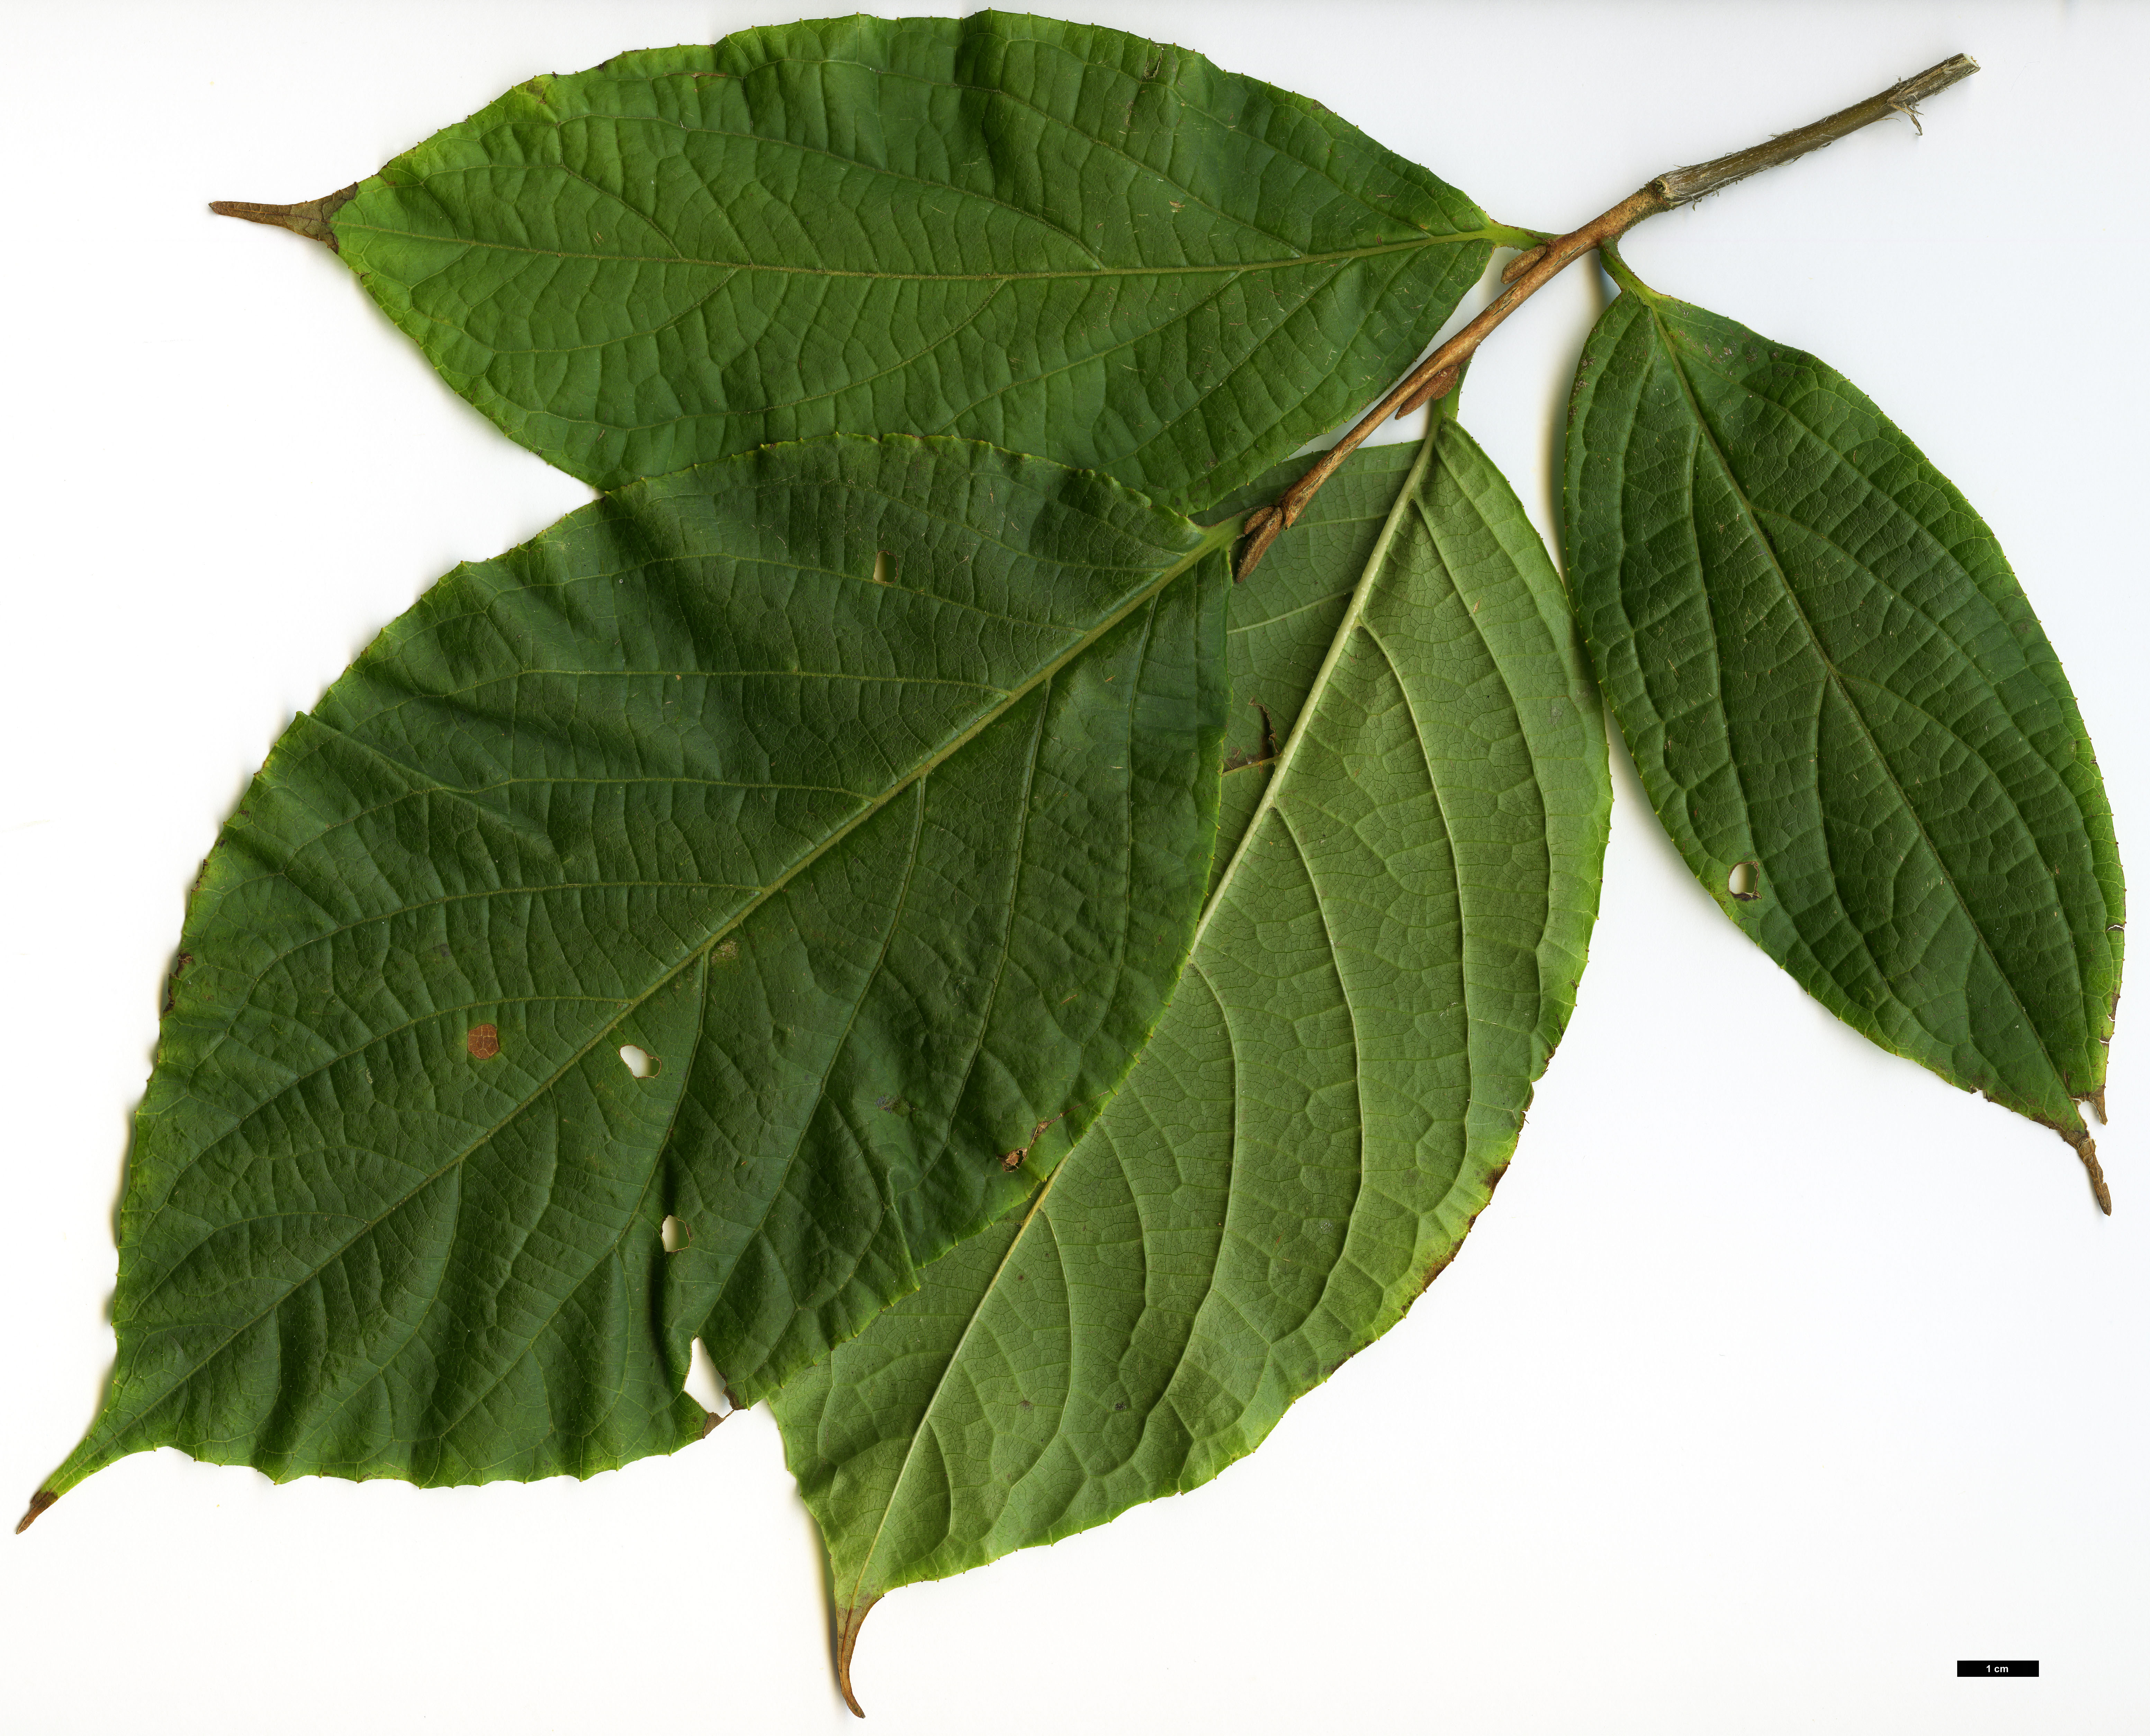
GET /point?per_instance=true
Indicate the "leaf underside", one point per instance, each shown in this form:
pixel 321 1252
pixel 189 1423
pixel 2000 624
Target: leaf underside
pixel 1061 239
pixel 1381 974
pixel 1826 672
pixel 868 787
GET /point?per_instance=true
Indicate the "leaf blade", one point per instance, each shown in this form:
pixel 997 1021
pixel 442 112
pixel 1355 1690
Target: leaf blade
pixel 1101 248
pixel 1417 889
pixel 1826 669
pixel 697 773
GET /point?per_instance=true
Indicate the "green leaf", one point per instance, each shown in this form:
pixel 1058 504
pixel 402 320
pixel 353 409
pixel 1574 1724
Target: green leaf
pixel 867 789
pixel 1834 689
pixel 1379 977
pixel 1061 239
pixel 1282 624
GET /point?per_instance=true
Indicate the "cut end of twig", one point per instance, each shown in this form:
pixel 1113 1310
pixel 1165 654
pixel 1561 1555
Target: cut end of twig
pixel 850 1618
pixel 309 219
pixel 1522 262
pixel 1684 186
pixel 1263 526
pixel 1439 386
pixel 38 1502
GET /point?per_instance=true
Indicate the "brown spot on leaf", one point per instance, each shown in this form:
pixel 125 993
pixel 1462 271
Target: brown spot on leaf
pixel 1447 1259
pixel 483 1042
pixel 1014 1160
pixel 185 959
pixel 38 1502
pixel 1240 759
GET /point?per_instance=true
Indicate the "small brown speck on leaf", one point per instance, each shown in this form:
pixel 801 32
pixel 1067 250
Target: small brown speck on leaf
pixel 1015 1160
pixel 483 1042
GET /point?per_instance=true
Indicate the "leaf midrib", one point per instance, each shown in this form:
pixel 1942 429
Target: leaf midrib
pixel 1212 538
pixel 1344 255
pixel 1354 610
pixel 956 1355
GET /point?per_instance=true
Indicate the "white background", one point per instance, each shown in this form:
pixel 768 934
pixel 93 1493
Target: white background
pixel 1778 1377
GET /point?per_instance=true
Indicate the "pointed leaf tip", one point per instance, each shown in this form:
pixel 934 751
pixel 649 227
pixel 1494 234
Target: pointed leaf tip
pixel 850 1618
pixel 309 219
pixel 38 1502
pixel 2087 1149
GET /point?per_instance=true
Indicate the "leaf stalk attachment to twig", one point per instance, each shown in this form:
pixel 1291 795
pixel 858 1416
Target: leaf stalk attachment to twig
pixel 1528 273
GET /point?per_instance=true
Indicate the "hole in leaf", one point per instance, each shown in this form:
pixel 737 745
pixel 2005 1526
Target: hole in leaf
pixel 640 1062
pixel 883 568
pixel 483 1042
pixel 704 1385
pixel 1745 884
pixel 676 1235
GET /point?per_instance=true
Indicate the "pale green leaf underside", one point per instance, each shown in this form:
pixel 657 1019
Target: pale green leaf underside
pixel 868 786
pixel 1061 239
pixel 1825 669
pixel 1325 1105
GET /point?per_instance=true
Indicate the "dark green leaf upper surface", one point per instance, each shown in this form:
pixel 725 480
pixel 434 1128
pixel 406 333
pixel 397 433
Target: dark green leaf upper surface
pixel 867 789
pixel 1061 239
pixel 1827 672
pixel 1381 975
